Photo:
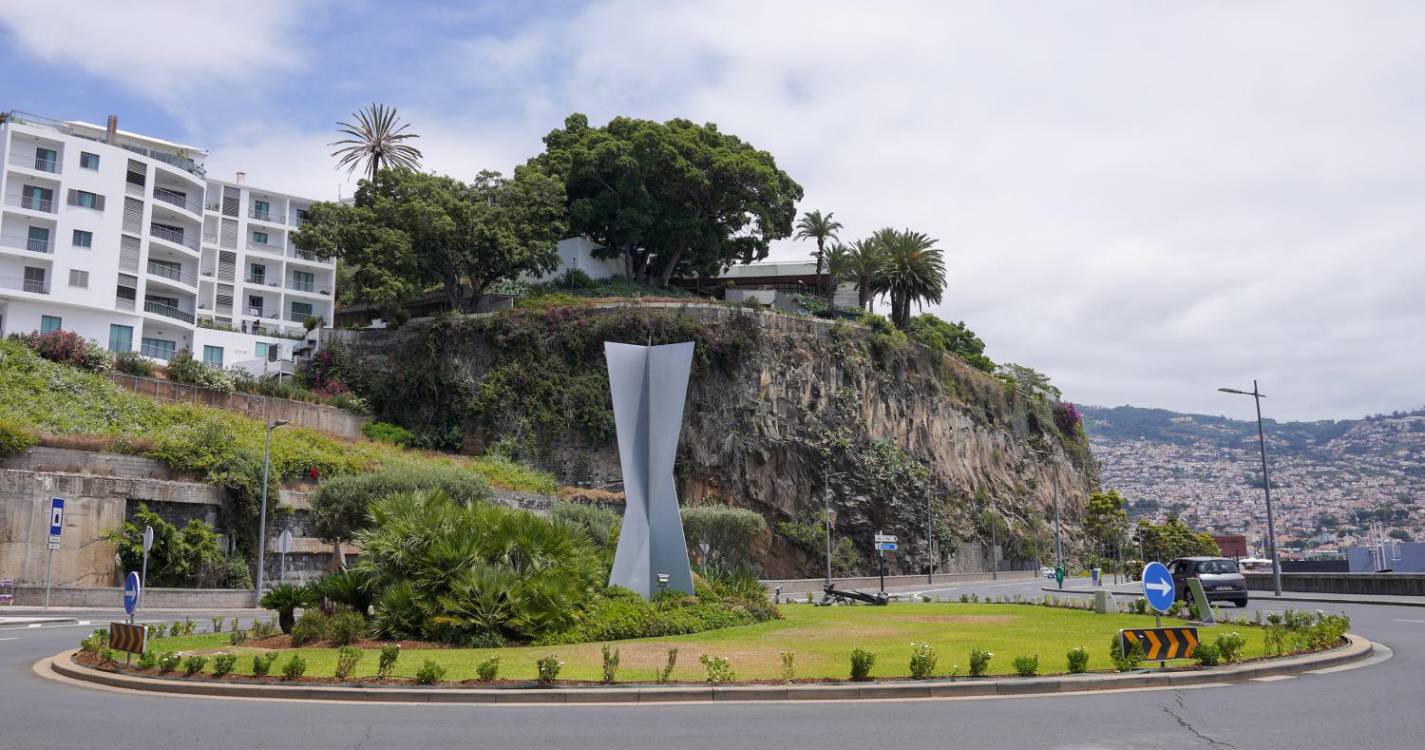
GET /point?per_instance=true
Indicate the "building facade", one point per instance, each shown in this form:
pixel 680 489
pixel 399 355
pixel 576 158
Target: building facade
pixel 123 239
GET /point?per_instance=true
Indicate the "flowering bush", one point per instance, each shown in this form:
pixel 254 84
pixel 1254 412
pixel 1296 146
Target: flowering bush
pixel 69 348
pixel 184 369
pixel 1067 417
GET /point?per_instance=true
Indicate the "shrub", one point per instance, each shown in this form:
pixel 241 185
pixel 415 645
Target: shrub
pixel 719 670
pixel 620 614
pixel 14 439
pixel 352 588
pixel 611 658
pixel 345 628
pixel 310 629
pixel 1078 660
pixel 922 661
pixel 169 662
pixel 979 662
pixel 155 631
pixel 262 663
pixel 788 666
pixel 187 626
pixel 107 656
pixel 340 506
pixel 261 628
pixel 861 663
pixel 175 629
pixel 284 599
pixel 666 673
pixel 430 673
pixel 183 368
pixel 1026 665
pixel 223 664
pixel 346 660
pixel 181 556
pixel 133 363
pixel 387 433
pixel 237 637
pixel 1230 646
pixel 194 664
pixel 148 660
pixel 294 668
pixel 548 667
pixel 488 670
pixel 389 654
pixel 217 625
pixel 727 531
pixel 1125 661
pixel 1207 654
pixel 68 348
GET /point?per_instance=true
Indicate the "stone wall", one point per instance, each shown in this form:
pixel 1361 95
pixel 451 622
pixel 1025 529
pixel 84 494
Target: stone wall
pixel 328 419
pixel 1379 584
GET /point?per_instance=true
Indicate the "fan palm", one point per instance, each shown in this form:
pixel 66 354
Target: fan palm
pixel 814 226
pixel 377 141
pixel 862 266
pixel 913 271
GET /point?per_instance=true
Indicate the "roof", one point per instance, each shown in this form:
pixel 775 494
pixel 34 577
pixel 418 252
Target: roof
pixel 770 269
pixel 138 137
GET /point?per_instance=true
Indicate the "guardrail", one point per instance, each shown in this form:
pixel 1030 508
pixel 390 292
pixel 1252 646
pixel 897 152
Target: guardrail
pixel 27 243
pixel 158 269
pixel 168 311
pixel 24 285
pixel 30 161
pixel 1379 584
pixel 266 247
pixel 169 235
pixel 267 216
pixel 30 202
pixel 177 199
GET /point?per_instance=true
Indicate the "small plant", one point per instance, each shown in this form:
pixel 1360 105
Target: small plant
pixel 1078 660
pixel 1125 661
pixel 345 628
pixel 1207 654
pixel 262 663
pixel 310 629
pixel 218 624
pixel 387 661
pixel 236 637
pixel 194 664
pixel 262 629
pixel 964 598
pixel 979 662
pixel 168 662
pixel 974 598
pixel 1026 665
pixel 719 670
pixel 548 667
pixel 488 670
pixel 789 670
pixel 347 658
pixel 285 599
pixel 148 660
pixel 666 673
pixel 187 626
pixel 223 664
pixel 1230 647
pixel 92 645
pixel 430 673
pixel 861 663
pixel 294 668
pixel 922 661
pixel 155 631
pixel 610 664
pixel 108 656
pixel 175 629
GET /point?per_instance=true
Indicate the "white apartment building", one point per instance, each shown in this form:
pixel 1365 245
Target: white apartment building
pixel 123 239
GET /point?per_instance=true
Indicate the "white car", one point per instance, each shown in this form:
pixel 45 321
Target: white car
pixel 1047 573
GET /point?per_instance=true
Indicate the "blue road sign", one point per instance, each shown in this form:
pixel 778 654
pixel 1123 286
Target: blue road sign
pixel 56 516
pixel 1158 586
pixel 887 546
pixel 131 593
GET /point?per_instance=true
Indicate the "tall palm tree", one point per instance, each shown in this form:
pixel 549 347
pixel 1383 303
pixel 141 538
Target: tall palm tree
pixel 913 271
pixel 813 225
pixel 864 263
pixel 377 141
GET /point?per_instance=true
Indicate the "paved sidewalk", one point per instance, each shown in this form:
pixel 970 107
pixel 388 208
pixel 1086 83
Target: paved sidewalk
pixel 1260 597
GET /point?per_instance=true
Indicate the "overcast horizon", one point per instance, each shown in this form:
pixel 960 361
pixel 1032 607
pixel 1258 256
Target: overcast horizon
pixel 1145 202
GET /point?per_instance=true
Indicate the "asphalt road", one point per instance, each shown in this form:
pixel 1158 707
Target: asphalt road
pixel 1379 705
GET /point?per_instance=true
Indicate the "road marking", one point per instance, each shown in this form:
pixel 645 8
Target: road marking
pixel 1274 678
pixel 9 639
pixel 1400 620
pixel 82 622
pixel 34 625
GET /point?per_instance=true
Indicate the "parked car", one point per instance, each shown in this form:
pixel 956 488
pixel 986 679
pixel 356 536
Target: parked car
pixel 1221 579
pixel 1047 573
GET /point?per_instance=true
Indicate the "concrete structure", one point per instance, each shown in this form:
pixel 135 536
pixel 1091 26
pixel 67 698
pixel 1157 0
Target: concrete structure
pixel 771 283
pixel 328 419
pixel 1382 584
pixel 123 239
pixel 1388 554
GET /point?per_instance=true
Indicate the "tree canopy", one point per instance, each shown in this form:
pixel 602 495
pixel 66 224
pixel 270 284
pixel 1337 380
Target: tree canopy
pixel 1105 520
pixel 912 271
pixel 952 338
pixel 1173 539
pixel 669 199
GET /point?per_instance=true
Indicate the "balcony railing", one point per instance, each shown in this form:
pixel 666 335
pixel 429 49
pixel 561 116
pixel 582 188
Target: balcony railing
pixel 31 161
pixel 27 243
pixel 266 247
pixel 157 352
pixel 177 199
pixel 302 286
pixel 213 206
pixel 158 269
pixel 269 216
pixel 297 317
pixel 168 311
pixel 176 237
pixel 183 163
pixel 263 281
pixel 30 202
pixel 25 285
pixel 307 256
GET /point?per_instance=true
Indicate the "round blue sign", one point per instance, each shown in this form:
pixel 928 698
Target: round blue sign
pixel 1158 586
pixel 131 593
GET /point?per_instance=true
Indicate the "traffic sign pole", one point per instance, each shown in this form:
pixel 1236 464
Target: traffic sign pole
pixel 49 565
pixel 147 545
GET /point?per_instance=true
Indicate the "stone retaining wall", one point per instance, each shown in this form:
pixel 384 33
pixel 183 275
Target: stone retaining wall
pixel 300 413
pixel 1383 584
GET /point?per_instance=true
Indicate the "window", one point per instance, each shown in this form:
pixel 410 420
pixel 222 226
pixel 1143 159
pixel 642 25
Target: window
pixel 259 237
pixel 88 160
pixel 1216 567
pixel 261 210
pixel 159 348
pixel 86 199
pixel 254 304
pixel 37 198
pixel 35 281
pixel 303 281
pixel 46 159
pixel 261 349
pixel 50 323
pixel 38 239
pixel 300 310
pixel 121 338
pixel 213 355
pixel 258 274
pixel 79 278
pixel 83 239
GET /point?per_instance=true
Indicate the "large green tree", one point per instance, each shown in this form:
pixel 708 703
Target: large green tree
pixel 409 232
pixel 669 199
pixel 814 226
pixel 1105 520
pixel 861 263
pixel 912 272
pixel 1173 539
pixel 951 338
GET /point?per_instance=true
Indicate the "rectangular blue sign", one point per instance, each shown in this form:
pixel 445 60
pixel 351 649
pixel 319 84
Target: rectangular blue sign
pixel 56 516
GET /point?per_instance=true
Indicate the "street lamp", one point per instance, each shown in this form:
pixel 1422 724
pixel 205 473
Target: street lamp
pixel 1058 543
pixel 262 522
pixel 1257 396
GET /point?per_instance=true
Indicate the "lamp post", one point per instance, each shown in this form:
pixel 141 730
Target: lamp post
pixel 1257 397
pixel 262 515
pixel 1058 543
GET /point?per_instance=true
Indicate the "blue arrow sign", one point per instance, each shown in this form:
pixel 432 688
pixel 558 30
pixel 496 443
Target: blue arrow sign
pixel 131 593
pixel 1158 586
pixel 56 516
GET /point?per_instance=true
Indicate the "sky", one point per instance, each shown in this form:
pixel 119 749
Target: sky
pixel 1146 201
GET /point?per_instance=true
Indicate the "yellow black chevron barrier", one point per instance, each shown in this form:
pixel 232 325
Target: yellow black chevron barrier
pixel 123 637
pixel 1159 644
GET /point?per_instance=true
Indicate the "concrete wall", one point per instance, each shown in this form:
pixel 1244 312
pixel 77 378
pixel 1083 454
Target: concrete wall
pixel 815 585
pixel 315 416
pixel 154 598
pixel 1383 584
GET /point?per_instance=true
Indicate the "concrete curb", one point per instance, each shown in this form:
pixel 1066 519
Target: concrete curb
pixel 1356 649
pixel 1261 596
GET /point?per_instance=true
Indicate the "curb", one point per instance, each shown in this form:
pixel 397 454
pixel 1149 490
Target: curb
pixel 1356 649
pixel 1266 596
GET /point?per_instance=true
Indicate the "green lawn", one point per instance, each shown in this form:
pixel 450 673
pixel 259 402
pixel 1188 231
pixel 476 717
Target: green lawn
pixel 822 639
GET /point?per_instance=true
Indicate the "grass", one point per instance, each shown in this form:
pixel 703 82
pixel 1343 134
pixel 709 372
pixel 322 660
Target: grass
pixel 822 639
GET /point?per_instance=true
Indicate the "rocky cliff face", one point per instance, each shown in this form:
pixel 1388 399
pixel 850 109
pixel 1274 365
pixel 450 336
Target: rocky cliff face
pixel 785 415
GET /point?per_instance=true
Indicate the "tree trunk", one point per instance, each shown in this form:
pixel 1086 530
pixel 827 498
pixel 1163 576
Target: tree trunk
pixel 672 264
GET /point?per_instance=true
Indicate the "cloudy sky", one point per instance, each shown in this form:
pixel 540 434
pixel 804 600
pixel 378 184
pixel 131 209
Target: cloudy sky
pixel 1144 200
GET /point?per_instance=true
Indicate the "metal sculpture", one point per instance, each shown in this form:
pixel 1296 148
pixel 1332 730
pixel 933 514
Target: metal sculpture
pixel 649 385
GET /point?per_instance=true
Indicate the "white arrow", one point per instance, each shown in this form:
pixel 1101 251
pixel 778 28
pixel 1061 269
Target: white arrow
pixel 1162 587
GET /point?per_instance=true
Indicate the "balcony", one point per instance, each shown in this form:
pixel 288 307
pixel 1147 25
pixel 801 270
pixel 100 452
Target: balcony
pixel 30 161
pixel 307 256
pixel 25 285
pixel 167 311
pixel 157 352
pixel 263 281
pixel 173 236
pixel 30 202
pixel 265 247
pixel 308 287
pixel 27 243
pixel 177 199
pixel 162 271
pixel 267 216
pixel 173 160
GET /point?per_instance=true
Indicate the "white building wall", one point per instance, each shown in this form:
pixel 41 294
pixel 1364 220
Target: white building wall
pixel 578 252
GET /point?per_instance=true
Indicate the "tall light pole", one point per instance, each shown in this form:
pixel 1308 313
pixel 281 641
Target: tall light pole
pixel 1257 397
pixel 1058 543
pixel 929 538
pixel 262 516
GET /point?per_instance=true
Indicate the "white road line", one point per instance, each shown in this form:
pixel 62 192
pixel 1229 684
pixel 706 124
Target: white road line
pixel 82 622
pixel 38 625
pixel 1274 678
pixel 1400 620
pixel 9 639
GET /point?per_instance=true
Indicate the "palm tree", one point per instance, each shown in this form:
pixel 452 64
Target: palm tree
pixel 813 225
pixel 913 271
pixel 862 266
pixel 377 142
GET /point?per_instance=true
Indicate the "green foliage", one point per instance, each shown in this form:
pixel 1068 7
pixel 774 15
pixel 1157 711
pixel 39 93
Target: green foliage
pixel 1173 539
pixel 133 363
pixel 1078 660
pixel 345 628
pixel 237 637
pixel 262 628
pixel 353 589
pixel 155 631
pixel 262 663
pixel 194 664
pixel 1027 382
pixel 922 661
pixel 728 531
pixel 599 523
pixel 718 669
pixel 912 271
pixel 183 368
pixel 979 662
pixel 1125 661
pixel 168 662
pixel 1231 647
pixel 548 668
pixel 346 661
pixel 68 348
pixel 95 642
pixel 954 339
pixel 861 663
pixel 294 668
pixel 665 673
pixel 619 614
pixel 1207 654
pixel 190 556
pixel 1026 665
pixel 283 599
pixel 387 432
pixel 390 652
pixel 489 669
pixel 217 625
pixel 148 660
pixel 1105 520
pixel 340 506
pixel 14 439
pixel 310 629
pixel 611 660
pixel 789 670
